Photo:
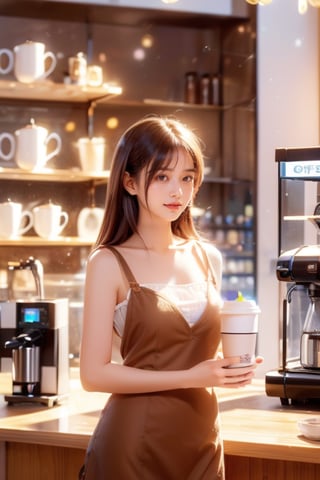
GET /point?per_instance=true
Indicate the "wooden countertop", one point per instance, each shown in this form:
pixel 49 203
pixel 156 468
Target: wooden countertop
pixel 255 425
pixel 252 424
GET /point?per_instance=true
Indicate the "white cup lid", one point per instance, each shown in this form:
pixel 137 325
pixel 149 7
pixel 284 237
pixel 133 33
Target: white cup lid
pixel 242 307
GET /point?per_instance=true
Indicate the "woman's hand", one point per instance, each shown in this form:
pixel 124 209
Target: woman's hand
pixel 219 373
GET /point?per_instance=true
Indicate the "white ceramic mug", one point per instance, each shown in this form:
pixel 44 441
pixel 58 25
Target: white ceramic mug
pixel 14 221
pixel 30 62
pixel 49 220
pixel 92 153
pixel 239 327
pixel 8 55
pixel 7 153
pixel 31 146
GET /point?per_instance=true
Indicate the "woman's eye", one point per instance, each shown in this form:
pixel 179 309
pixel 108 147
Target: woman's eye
pixel 188 178
pixel 161 177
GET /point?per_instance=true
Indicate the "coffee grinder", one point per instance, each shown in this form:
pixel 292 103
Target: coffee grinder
pixel 34 341
pixel 298 270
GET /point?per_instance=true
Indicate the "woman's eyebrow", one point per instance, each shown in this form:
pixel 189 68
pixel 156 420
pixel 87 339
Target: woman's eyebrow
pixel 168 169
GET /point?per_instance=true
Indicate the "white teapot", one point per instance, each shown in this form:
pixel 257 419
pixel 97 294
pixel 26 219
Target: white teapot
pixel 31 146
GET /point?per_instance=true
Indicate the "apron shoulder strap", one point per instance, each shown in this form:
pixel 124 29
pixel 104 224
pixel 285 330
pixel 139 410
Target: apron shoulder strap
pixel 202 255
pixel 125 268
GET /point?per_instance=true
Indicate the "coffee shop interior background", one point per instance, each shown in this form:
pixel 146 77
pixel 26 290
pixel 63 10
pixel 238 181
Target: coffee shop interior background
pixel 151 67
pixel 259 108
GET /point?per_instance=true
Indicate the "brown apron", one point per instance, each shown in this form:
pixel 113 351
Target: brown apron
pixel 170 435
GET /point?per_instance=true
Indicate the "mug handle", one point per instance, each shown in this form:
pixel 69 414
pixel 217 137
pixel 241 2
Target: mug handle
pixel 65 218
pixel 57 138
pixel 9 67
pixel 29 216
pixel 10 138
pixel 52 65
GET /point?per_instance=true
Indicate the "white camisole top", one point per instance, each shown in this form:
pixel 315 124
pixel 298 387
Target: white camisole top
pixel 191 299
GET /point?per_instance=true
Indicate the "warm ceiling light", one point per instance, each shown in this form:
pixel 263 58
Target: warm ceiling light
pixel 259 2
pixel 302 4
pixel 170 1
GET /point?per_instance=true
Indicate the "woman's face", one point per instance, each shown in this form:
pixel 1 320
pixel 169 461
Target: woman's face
pixel 170 190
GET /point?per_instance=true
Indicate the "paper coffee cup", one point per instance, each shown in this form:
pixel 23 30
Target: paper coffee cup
pixel 239 328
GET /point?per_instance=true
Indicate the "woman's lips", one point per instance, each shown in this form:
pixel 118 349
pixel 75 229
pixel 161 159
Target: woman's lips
pixel 173 206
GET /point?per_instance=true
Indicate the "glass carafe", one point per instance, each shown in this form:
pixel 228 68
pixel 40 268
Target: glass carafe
pixel 310 338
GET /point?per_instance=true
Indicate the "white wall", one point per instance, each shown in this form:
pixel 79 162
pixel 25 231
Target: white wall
pixel 288 116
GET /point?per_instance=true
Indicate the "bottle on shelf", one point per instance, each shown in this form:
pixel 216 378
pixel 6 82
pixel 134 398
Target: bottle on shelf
pixel 216 90
pixel 205 90
pixel 248 222
pixel 191 87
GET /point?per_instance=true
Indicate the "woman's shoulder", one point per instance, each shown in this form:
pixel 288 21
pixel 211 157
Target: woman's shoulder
pixel 101 252
pixel 102 258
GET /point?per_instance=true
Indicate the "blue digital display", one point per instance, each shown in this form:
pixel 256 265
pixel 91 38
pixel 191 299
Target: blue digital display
pixel 31 315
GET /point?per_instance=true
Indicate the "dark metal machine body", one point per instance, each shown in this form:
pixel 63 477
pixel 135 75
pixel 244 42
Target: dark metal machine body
pixel 297 380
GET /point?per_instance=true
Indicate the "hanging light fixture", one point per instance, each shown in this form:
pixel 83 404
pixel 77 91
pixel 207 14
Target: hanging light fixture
pixel 259 2
pixel 302 4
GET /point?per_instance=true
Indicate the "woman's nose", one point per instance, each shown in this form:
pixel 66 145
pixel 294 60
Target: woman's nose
pixel 176 190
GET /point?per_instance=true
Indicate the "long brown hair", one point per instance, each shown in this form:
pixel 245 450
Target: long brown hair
pixel 149 143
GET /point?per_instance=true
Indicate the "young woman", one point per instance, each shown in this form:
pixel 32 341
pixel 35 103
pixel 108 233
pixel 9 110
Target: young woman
pixel 152 280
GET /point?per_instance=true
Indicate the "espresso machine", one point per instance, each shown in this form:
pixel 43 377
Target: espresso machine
pixel 297 380
pixel 34 341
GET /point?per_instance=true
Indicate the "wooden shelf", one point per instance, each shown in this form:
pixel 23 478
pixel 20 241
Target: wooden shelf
pixel 52 175
pixel 191 106
pixel 25 241
pixel 47 90
pixel 247 103
pixel 57 92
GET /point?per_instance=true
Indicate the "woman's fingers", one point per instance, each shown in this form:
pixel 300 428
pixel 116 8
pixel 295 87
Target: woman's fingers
pixel 234 379
pixel 229 361
pixel 237 376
